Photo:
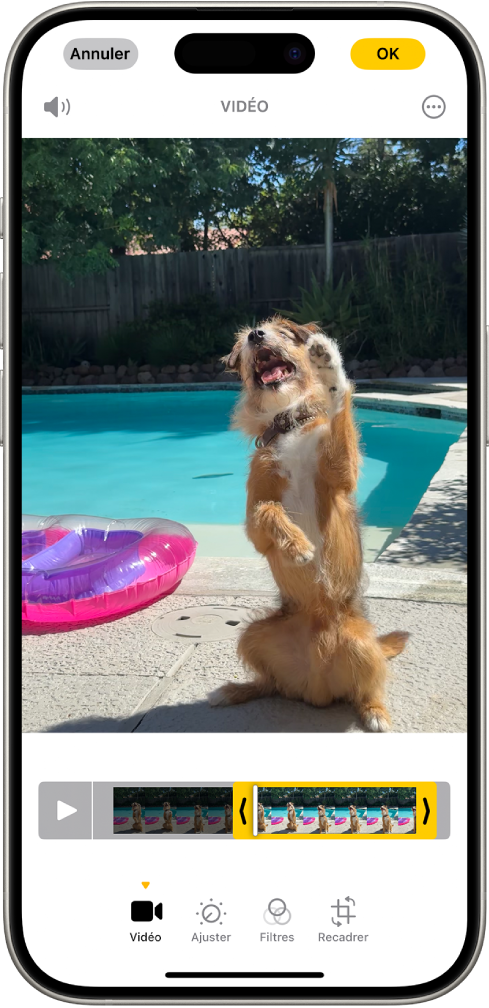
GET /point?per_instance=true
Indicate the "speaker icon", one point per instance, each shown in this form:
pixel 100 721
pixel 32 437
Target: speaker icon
pixel 53 107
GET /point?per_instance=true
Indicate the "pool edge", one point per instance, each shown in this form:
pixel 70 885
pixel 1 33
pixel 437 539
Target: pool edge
pixel 390 402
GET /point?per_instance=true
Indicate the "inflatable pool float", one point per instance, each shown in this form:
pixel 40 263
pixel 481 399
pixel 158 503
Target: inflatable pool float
pixel 276 820
pixel 181 820
pixel 404 822
pixel 77 567
pixel 371 822
pixel 339 822
pixel 307 822
pixel 150 820
pixel 120 820
pixel 213 820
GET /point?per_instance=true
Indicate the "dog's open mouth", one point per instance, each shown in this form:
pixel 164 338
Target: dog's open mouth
pixel 270 369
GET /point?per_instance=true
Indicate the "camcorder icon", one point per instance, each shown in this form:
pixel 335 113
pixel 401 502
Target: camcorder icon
pixel 142 910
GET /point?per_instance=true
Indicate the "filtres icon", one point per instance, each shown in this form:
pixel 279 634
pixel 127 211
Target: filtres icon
pixel 53 107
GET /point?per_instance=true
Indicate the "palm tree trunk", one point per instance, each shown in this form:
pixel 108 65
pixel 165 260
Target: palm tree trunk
pixel 328 232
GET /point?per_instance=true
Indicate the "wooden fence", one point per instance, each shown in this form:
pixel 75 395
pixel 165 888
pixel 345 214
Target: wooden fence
pixel 266 279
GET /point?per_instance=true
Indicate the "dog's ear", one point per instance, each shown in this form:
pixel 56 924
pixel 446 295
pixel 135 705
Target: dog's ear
pixel 232 360
pixel 302 332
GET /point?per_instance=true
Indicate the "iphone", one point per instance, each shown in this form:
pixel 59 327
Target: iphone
pixel 244 428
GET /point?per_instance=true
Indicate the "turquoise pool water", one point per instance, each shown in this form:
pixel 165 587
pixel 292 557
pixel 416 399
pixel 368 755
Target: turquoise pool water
pixel 312 810
pixel 277 810
pixel 364 812
pixel 185 812
pixel 172 455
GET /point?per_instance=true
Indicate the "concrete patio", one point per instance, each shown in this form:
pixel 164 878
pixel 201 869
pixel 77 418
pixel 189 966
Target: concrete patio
pixel 120 676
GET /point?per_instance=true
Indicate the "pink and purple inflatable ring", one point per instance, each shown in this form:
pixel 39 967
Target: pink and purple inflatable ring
pixel 77 567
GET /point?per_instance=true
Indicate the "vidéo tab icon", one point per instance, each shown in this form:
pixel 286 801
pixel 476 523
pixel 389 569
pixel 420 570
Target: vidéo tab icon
pixel 142 910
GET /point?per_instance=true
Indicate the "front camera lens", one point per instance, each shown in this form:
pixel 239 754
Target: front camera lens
pixel 294 54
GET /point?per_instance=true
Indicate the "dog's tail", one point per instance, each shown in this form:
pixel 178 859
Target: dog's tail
pixel 393 643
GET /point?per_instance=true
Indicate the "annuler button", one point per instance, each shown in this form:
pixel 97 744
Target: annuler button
pixel 387 54
pixel 100 54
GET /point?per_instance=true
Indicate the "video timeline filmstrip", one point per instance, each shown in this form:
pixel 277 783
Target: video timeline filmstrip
pixel 278 811
pixel 243 810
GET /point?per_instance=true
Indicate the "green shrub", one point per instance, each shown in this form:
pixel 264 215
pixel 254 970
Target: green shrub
pixel 175 333
pixel 39 349
pixel 334 308
pixel 413 310
pixel 392 312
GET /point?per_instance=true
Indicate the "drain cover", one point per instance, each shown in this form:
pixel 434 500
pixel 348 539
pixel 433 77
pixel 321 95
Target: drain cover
pixel 201 623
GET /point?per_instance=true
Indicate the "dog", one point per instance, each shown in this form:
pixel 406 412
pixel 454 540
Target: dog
pixel 198 820
pixel 323 820
pixel 291 818
pixel 262 826
pixel 137 824
pixel 386 819
pixel 228 819
pixel 354 820
pixel 167 818
pixel 319 645
pixel 414 815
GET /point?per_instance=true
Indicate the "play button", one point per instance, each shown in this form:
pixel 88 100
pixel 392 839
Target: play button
pixel 63 810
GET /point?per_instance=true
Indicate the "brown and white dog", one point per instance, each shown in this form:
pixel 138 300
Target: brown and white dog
pixel 323 821
pixel 228 819
pixel 291 818
pixel 354 820
pixel 137 824
pixel 198 820
pixel 414 815
pixel 261 819
pixel 319 645
pixel 386 819
pixel 167 818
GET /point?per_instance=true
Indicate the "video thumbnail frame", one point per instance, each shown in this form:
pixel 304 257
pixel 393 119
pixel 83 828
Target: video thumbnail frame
pixel 173 811
pixel 332 811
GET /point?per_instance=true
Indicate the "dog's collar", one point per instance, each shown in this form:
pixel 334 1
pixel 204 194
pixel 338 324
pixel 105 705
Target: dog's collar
pixel 287 421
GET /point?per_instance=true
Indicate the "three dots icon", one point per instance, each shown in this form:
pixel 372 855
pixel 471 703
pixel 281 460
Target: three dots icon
pixel 433 106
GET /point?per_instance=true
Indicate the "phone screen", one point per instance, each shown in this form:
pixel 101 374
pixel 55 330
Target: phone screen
pixel 238 356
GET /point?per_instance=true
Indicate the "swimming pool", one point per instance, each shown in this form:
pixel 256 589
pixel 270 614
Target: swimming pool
pixel 172 455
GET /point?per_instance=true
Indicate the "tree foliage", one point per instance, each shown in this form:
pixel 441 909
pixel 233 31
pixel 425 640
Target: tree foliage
pixel 84 201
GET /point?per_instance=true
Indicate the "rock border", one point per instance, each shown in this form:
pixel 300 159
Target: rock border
pixel 212 369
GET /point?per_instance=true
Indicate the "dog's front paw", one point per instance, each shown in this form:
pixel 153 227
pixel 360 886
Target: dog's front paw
pixel 375 718
pixel 299 551
pixel 326 361
pixel 220 696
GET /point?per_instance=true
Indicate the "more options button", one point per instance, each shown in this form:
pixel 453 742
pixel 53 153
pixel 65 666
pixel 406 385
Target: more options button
pixel 388 54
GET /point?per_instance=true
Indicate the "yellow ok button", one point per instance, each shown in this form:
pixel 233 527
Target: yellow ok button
pixel 388 54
